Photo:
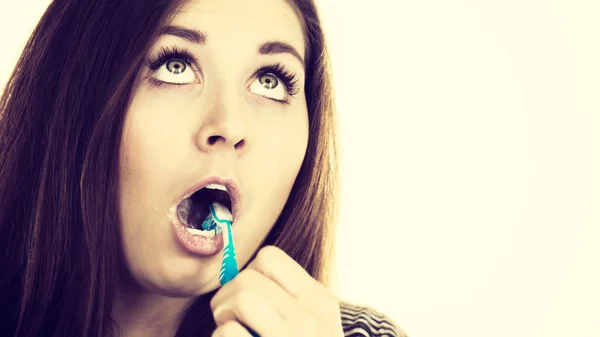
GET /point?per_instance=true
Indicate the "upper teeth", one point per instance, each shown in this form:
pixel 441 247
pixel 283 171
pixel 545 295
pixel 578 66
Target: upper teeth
pixel 216 187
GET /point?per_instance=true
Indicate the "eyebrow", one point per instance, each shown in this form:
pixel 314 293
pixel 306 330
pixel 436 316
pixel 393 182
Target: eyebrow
pixel 198 37
pixel 279 47
pixel 191 35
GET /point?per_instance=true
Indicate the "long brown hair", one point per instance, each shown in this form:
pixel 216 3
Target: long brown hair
pixel 61 119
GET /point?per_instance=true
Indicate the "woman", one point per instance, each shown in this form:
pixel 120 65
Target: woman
pixel 116 111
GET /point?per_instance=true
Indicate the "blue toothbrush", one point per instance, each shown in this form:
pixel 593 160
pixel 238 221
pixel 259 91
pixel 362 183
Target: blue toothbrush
pixel 229 267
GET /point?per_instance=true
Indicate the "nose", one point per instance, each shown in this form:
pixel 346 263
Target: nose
pixel 223 127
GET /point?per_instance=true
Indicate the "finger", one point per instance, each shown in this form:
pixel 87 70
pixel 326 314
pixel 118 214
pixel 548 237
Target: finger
pixel 285 304
pixel 250 309
pixel 289 307
pixel 231 329
pixel 275 264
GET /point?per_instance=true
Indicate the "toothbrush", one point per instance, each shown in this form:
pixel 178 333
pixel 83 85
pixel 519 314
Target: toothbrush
pixel 229 267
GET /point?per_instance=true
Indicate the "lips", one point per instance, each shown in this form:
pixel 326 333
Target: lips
pixel 232 189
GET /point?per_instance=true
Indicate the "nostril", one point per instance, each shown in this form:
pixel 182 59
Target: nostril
pixel 213 139
pixel 240 143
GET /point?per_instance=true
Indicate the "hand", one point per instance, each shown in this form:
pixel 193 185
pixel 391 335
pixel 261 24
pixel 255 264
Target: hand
pixel 275 297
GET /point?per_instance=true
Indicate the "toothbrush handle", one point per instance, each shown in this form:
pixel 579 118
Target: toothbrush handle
pixel 254 334
pixel 229 268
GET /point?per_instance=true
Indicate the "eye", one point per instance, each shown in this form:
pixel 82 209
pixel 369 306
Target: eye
pixel 172 66
pixel 268 85
pixel 276 82
pixel 175 72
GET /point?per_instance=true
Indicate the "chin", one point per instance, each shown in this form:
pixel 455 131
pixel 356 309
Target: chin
pixel 185 293
pixel 182 288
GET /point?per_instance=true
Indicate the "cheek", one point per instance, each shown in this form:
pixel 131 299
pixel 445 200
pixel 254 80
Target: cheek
pixel 130 181
pixel 144 157
pixel 286 141
pixel 285 151
pixel 149 148
pixel 133 159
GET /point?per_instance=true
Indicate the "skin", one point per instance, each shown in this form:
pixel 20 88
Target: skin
pixel 260 144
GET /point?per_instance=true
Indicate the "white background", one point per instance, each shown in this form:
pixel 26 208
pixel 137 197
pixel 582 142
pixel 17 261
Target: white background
pixel 471 153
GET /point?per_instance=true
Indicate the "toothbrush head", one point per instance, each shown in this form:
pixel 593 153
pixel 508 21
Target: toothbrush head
pixel 217 217
pixel 209 223
pixel 220 213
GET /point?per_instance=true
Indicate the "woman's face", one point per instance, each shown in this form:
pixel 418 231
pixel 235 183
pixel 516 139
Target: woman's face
pixel 222 120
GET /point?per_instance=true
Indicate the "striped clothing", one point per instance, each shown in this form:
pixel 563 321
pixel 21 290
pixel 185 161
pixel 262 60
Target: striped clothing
pixel 361 321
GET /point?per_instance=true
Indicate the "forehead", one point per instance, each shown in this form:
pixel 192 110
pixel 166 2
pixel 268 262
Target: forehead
pixel 243 22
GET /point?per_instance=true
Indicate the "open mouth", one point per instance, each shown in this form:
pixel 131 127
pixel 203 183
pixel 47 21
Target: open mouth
pixel 194 212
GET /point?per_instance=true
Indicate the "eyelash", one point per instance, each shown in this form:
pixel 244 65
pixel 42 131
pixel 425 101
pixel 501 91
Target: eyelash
pixel 288 78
